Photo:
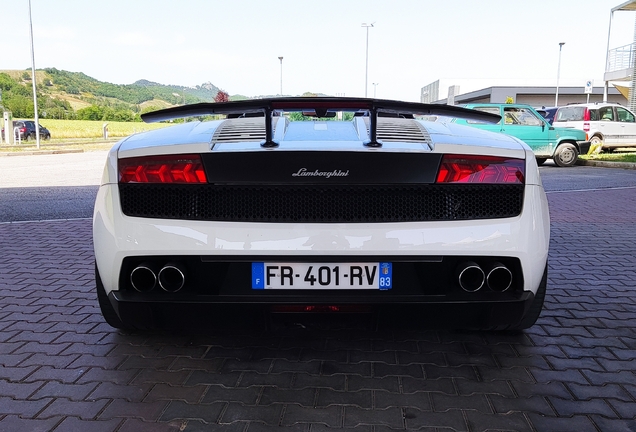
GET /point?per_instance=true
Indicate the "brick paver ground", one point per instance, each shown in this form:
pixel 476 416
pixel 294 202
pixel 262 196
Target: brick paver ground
pixel 63 369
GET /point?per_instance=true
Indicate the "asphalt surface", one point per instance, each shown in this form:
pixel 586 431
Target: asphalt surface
pixel 63 369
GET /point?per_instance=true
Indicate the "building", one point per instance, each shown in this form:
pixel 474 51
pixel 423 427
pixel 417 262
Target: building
pixel 619 63
pixel 535 96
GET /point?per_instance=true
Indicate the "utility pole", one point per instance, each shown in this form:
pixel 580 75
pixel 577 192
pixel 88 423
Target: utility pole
pixel 35 95
pixel 556 96
pixel 281 75
pixel 366 70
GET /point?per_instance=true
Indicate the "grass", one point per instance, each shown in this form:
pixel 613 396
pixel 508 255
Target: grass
pixel 71 129
pixel 620 155
pixel 83 135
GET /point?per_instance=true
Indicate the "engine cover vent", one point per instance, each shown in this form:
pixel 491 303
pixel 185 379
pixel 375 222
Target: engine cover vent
pixel 400 130
pixel 240 130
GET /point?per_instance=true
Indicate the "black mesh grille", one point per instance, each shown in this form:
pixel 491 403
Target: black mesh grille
pixel 322 204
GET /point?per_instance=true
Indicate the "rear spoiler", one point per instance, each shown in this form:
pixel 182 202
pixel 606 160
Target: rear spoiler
pixel 321 106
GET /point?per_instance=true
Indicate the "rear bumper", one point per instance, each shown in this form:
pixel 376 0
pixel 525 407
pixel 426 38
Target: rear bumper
pixel 142 311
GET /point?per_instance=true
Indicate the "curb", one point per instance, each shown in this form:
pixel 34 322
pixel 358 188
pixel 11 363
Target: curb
pixel 605 164
pixel 41 152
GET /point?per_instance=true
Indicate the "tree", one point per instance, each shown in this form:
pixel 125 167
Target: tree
pixel 221 96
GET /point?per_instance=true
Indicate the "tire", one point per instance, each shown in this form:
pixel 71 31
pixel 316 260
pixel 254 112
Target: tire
pixel 566 155
pixel 596 144
pixel 596 140
pixel 47 137
pixel 532 315
pixel 26 137
pixel 541 161
pixel 108 312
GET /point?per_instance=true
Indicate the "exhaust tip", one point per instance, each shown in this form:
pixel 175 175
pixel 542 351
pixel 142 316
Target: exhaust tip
pixel 499 277
pixel 143 278
pixel 470 276
pixel 171 278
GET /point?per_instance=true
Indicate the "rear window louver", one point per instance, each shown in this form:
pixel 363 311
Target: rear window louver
pixel 240 130
pixel 401 130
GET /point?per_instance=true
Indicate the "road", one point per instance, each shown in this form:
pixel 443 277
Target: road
pixel 63 369
pixel 48 187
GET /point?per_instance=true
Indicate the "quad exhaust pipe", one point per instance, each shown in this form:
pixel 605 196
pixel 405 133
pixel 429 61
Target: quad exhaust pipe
pixel 170 278
pixel 498 277
pixel 472 277
pixel 143 277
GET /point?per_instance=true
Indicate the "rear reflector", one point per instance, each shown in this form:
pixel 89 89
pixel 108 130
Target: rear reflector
pixel 321 309
pixel 162 169
pixel 481 169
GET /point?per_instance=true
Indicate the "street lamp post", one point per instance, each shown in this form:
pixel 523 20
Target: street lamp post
pixel 375 85
pixel 556 96
pixel 281 75
pixel 35 96
pixel 366 70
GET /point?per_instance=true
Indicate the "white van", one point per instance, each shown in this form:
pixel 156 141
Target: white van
pixel 609 124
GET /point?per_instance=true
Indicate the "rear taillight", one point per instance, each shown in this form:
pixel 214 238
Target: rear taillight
pixel 586 114
pixel 481 169
pixel 162 169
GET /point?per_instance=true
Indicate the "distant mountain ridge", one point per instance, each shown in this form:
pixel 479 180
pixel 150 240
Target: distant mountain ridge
pixel 137 93
pixel 64 94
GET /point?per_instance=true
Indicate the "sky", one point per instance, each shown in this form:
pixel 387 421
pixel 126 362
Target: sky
pixel 236 44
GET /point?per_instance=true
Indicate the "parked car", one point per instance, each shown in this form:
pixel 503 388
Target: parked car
pixel 563 145
pixel 26 130
pixel 548 113
pixel 381 214
pixel 609 125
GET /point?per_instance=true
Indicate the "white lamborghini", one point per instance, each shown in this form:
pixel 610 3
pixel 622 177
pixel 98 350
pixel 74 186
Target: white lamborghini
pixel 321 206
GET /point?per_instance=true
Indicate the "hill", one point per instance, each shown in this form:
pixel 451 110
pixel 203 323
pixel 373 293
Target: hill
pixel 75 95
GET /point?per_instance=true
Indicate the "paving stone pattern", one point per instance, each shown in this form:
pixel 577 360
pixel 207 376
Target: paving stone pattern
pixel 63 369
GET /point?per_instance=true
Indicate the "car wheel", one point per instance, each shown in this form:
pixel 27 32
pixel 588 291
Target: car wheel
pixel 566 155
pixel 47 137
pixel 108 312
pixel 533 313
pixel 541 161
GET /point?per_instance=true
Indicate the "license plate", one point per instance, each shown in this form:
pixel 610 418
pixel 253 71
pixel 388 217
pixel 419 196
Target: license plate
pixel 377 275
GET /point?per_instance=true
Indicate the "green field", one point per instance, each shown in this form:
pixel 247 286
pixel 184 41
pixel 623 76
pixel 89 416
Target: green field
pixel 71 129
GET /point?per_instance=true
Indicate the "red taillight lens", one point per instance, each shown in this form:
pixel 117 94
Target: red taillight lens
pixel 586 114
pixel 162 169
pixel 481 169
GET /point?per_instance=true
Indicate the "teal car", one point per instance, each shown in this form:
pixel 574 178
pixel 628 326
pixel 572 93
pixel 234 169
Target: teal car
pixel 563 145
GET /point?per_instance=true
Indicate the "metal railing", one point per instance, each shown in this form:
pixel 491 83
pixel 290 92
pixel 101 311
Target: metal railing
pixel 621 58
